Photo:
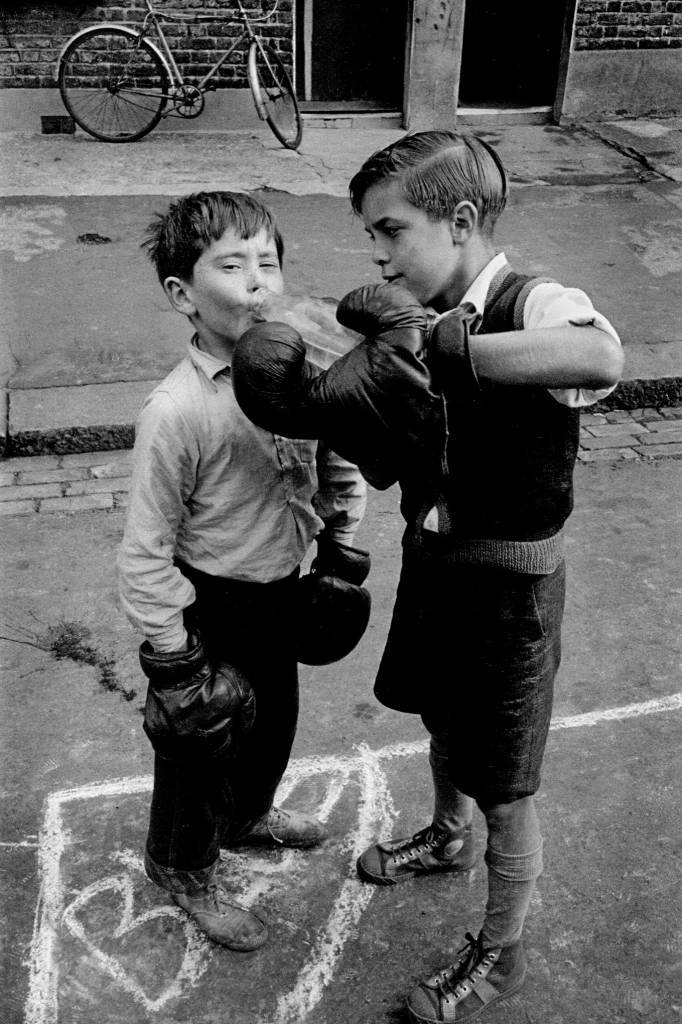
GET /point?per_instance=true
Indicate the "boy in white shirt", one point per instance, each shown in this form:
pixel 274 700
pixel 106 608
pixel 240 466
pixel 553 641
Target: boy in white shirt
pixel 221 515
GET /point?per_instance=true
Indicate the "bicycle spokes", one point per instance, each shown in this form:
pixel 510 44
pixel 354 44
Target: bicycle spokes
pixel 113 83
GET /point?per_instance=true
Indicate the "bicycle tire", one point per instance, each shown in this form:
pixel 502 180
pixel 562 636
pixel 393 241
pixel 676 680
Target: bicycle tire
pixel 274 94
pixel 117 99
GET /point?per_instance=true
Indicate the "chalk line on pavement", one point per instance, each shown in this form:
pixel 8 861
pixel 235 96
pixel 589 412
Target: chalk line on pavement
pixel 376 813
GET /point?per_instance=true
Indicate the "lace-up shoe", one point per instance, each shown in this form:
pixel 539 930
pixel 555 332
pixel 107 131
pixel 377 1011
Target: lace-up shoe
pixel 284 828
pixel 428 852
pixel 224 922
pixel 461 992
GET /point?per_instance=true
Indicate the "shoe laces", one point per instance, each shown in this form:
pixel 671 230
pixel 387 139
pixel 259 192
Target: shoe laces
pixel 217 897
pixel 457 980
pixel 276 818
pixel 421 842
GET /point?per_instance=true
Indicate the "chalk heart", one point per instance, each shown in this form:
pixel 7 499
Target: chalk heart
pixel 330 778
pixel 195 955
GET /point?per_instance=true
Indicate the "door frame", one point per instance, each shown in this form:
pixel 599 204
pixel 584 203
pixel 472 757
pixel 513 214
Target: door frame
pixel 409 58
pixel 306 6
pixel 564 58
pixel 556 106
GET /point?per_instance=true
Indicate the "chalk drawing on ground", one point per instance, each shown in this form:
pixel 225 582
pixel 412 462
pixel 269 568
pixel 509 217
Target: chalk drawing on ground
pixel 63 910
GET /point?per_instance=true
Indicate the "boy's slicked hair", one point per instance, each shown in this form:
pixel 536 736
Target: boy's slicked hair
pixel 437 170
pixel 176 239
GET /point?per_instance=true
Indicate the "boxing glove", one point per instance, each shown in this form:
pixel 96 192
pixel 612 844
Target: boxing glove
pixel 374 405
pixel 333 608
pixel 194 709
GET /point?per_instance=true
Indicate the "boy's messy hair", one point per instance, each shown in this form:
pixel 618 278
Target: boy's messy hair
pixel 436 171
pixel 176 239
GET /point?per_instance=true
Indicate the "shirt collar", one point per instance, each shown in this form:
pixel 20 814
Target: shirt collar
pixel 207 363
pixel 477 292
pixel 474 298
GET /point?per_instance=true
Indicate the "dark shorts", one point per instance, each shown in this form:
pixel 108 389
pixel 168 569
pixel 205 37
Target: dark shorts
pixel 474 651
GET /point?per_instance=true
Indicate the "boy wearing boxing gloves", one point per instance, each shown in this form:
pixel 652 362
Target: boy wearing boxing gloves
pixel 474 643
pixel 221 515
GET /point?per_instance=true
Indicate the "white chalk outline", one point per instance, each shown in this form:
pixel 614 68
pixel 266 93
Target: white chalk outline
pixel 376 810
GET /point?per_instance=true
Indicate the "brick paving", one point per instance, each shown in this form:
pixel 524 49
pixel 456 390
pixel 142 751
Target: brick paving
pixel 101 480
pixel 631 434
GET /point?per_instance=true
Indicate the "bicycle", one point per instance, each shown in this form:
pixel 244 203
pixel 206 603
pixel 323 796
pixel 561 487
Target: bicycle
pixel 117 83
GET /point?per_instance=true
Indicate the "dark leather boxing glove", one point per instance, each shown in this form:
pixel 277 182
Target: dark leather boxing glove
pixel 388 311
pixel 272 380
pixel 373 406
pixel 333 608
pixel 337 559
pixel 449 356
pixel 194 709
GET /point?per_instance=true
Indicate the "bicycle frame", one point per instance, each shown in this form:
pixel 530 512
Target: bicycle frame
pixel 155 18
pixel 126 103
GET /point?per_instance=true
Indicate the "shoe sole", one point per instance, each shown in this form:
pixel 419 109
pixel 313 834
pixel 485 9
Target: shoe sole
pixel 416 1018
pixel 275 844
pixel 368 876
pixel 236 947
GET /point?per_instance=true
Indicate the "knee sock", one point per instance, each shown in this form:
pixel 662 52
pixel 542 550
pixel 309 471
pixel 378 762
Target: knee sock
pixel 452 810
pixel 511 880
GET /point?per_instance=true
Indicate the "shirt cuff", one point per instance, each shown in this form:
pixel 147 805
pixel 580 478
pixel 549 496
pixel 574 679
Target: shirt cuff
pixel 170 642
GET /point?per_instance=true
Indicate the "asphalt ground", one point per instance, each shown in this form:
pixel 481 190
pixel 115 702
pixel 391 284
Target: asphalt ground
pixel 598 207
pixel 87 938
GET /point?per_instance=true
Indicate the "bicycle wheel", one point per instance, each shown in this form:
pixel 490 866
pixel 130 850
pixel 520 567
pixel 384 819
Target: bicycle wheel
pixel 273 94
pixel 114 84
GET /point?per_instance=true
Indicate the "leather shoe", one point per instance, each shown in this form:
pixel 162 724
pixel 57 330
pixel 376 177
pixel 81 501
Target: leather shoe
pixel 284 828
pixel 226 923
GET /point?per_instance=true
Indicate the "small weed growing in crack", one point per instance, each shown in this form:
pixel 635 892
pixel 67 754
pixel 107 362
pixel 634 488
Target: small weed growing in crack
pixel 68 640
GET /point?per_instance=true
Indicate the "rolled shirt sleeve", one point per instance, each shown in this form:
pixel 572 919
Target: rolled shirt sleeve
pixel 153 592
pixel 552 305
pixel 341 497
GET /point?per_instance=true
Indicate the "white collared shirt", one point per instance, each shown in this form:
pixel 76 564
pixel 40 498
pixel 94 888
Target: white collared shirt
pixel 213 490
pixel 549 304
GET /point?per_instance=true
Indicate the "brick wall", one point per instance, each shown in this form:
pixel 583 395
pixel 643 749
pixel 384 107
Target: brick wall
pixel 628 25
pixel 32 35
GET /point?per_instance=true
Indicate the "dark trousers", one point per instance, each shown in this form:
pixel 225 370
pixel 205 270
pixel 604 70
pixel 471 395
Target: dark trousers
pixel 198 806
pixel 475 651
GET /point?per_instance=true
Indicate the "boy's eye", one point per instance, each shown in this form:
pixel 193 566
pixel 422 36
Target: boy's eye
pixel 391 232
pixel 232 266
pixel 270 265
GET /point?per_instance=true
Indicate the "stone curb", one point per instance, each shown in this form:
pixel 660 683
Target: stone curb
pixel 664 392
pixel 100 480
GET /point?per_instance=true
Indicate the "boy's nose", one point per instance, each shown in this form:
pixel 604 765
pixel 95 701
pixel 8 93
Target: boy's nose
pixel 379 255
pixel 256 279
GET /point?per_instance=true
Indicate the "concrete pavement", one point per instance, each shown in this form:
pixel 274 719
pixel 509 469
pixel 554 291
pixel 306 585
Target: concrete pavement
pixel 87 939
pixel 86 331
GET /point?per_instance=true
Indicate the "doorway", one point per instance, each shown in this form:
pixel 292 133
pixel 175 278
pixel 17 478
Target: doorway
pixel 511 53
pixel 350 54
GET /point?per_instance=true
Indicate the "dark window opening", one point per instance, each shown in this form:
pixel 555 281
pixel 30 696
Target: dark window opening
pixel 511 53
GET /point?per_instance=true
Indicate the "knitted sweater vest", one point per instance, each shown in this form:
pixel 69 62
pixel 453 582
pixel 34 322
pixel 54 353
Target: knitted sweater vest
pixel 507 483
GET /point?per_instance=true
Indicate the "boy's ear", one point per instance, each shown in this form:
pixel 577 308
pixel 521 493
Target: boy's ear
pixel 179 295
pixel 463 221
